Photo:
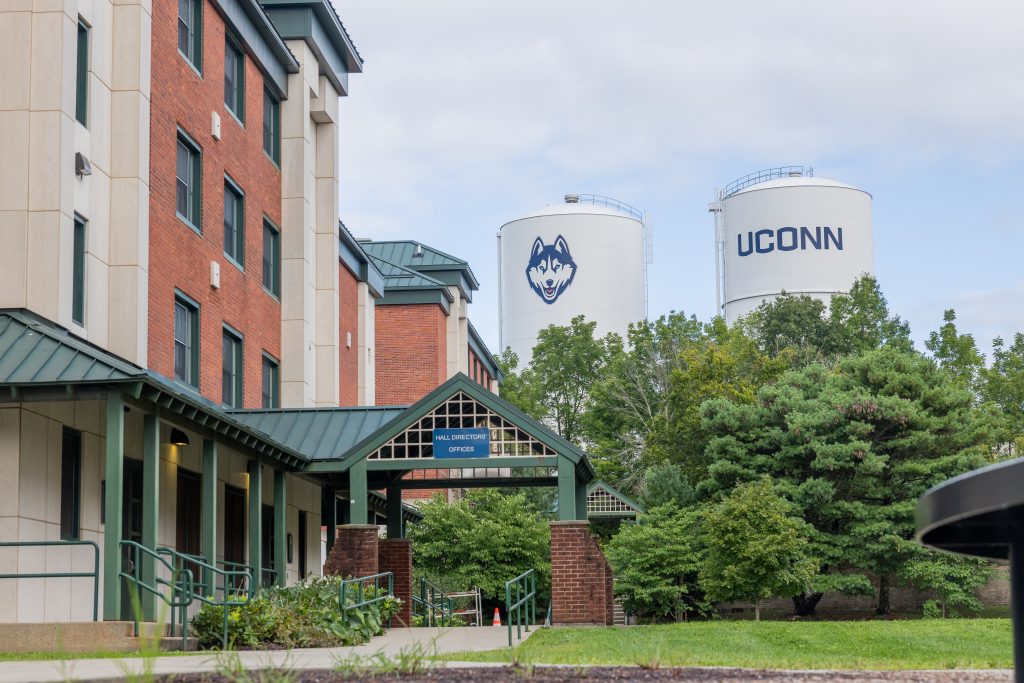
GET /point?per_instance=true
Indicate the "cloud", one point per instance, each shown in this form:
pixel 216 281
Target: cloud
pixel 469 113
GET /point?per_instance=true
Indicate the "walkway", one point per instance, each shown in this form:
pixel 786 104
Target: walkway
pixel 394 642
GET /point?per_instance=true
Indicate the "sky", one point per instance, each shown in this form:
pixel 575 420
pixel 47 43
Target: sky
pixel 469 114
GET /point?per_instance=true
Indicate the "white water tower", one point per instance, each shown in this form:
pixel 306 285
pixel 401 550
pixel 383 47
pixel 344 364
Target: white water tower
pixel 784 230
pixel 587 256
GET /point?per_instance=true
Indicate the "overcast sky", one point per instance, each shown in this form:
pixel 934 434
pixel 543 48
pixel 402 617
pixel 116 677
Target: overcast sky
pixel 469 114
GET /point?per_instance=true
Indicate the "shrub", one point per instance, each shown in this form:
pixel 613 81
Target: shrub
pixel 304 615
pixel 481 541
pixel 656 561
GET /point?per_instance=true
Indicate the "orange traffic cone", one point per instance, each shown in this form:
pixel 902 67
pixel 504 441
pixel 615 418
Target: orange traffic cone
pixel 497 618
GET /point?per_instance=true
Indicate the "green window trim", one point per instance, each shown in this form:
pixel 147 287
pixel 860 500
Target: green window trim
pixel 272 126
pixel 78 272
pixel 82 75
pixel 271 259
pixel 270 382
pixel 186 339
pixel 232 368
pixel 190 32
pixel 71 486
pixel 234 79
pixel 234 223
pixel 188 181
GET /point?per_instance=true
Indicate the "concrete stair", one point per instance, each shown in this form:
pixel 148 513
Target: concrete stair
pixel 619 615
pixel 86 636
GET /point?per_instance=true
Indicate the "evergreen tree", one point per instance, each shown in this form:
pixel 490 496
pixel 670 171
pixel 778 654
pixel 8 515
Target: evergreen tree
pixel 853 448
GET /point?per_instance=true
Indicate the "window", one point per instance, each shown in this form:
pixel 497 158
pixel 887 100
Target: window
pixel 271 258
pixel 271 383
pixel 272 126
pixel 234 222
pixel 231 372
pixel 234 79
pixel 82 75
pixel 190 31
pixel 71 485
pixel 78 272
pixel 188 171
pixel 186 341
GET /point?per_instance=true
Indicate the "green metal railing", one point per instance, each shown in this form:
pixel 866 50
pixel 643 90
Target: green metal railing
pixel 216 579
pixel 94 574
pixel 431 603
pixel 234 577
pixel 523 589
pixel 176 591
pixel 355 589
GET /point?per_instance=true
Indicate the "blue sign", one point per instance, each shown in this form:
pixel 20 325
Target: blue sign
pixel 551 269
pixel 462 443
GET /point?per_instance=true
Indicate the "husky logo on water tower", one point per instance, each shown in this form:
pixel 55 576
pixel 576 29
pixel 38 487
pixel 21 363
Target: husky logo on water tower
pixel 551 269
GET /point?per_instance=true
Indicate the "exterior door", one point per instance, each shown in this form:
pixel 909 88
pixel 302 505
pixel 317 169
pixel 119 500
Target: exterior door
pixel 188 518
pixel 234 528
pixel 131 526
pixel 268 544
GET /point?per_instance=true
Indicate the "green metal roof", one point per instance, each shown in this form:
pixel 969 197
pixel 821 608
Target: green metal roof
pixel 36 354
pixel 421 258
pixel 399 277
pixel 319 433
pixel 35 351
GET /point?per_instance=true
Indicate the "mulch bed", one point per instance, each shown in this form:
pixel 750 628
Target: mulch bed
pixel 624 675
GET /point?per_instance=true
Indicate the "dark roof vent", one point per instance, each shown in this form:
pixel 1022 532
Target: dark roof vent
pixel 572 199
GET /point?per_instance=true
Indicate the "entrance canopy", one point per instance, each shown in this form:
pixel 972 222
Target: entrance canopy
pixel 464 435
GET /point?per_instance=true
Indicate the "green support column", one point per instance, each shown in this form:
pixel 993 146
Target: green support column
pixel 330 511
pixel 114 459
pixel 208 542
pixel 280 528
pixel 566 490
pixel 151 507
pixel 581 501
pixel 394 512
pixel 358 493
pixel 256 521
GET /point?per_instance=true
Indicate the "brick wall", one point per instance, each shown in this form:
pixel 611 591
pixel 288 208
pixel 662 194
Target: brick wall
pixel 355 552
pixel 179 257
pixel 906 599
pixel 478 372
pixel 411 352
pixel 348 363
pixel 395 555
pixel 581 578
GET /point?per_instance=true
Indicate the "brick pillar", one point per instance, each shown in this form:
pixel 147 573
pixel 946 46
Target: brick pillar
pixel 395 556
pixel 354 552
pixel 581 579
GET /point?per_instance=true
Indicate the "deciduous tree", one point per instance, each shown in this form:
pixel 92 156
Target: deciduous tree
pixel 755 548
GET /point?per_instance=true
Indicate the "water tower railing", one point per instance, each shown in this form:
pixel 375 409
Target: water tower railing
pixel 764 176
pixel 623 207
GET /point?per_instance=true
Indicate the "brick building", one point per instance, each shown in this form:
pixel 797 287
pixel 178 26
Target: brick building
pixel 194 351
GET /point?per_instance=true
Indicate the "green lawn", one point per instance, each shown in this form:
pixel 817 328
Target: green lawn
pixel 919 644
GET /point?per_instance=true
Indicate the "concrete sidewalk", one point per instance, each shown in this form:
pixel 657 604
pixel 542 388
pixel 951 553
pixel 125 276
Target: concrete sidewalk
pixel 394 642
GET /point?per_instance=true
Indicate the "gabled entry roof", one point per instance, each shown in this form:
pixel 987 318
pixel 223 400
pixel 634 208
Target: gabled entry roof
pixel 606 501
pixel 460 384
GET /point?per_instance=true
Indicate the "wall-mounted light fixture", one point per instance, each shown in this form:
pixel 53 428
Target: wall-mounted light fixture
pixel 178 437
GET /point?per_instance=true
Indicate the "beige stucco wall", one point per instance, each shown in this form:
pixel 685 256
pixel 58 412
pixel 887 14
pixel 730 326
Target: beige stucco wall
pixel 30 473
pixel 40 193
